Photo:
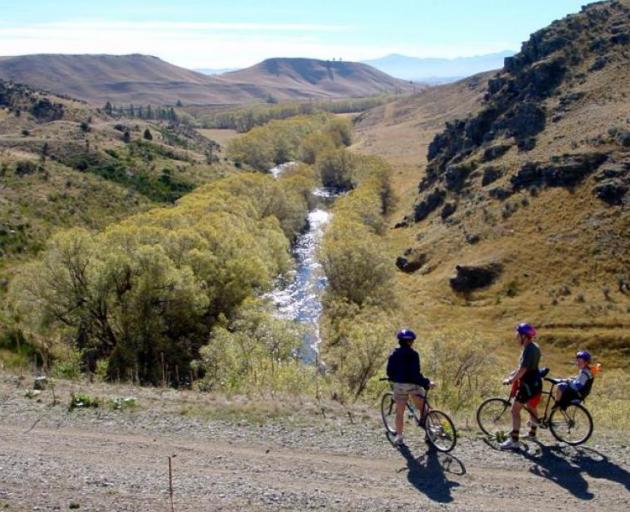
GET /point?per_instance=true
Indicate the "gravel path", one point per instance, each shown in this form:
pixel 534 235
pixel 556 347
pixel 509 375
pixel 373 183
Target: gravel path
pixel 105 460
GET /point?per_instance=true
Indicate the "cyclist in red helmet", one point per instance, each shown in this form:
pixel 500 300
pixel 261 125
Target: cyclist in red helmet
pixel 403 370
pixel 527 384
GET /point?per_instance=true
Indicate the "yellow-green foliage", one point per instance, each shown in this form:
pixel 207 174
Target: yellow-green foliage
pixel 360 350
pixel 353 254
pixel 150 288
pixel 462 365
pixel 287 140
pixel 255 352
pixel 359 303
pixel 244 119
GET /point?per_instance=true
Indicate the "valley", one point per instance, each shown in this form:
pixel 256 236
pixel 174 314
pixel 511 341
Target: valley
pixel 212 268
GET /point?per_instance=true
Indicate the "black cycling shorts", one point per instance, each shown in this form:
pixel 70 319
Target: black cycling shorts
pixel 527 391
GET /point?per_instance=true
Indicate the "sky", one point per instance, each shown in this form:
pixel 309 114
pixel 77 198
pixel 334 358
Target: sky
pixel 239 33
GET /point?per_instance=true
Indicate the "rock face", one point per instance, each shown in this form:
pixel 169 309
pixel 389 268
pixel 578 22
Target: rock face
pixel 411 261
pixel 613 182
pixel 428 204
pixel 490 175
pixel 566 171
pixel 470 278
pixel 542 83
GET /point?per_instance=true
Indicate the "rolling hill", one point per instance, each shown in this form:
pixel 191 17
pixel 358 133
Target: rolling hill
pixel 295 78
pixel 143 79
pixel 528 191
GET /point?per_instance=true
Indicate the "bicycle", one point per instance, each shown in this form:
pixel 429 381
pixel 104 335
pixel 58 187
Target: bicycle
pixel 439 428
pixel 571 424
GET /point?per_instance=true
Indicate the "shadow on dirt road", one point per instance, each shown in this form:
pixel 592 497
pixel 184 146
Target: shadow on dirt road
pixel 428 473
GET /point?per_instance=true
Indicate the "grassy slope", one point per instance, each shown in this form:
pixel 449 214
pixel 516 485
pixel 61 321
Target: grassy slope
pixel 57 195
pixel 561 239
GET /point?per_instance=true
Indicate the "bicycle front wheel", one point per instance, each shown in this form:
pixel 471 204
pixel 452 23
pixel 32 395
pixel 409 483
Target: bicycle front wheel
pixel 440 431
pixel 494 417
pixel 388 412
pixel 572 425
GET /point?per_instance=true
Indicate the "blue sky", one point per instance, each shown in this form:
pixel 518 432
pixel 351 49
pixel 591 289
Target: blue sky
pixel 238 33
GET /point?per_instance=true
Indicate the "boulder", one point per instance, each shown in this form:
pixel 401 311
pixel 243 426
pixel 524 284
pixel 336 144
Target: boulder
pixel 611 191
pixel 430 202
pixel 622 138
pixel 448 210
pixel 470 278
pixel 411 261
pixel 572 169
pixel 565 171
pixel 500 193
pixel 490 175
pixel 455 176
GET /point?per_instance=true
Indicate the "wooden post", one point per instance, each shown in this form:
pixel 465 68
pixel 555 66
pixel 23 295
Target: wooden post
pixel 170 483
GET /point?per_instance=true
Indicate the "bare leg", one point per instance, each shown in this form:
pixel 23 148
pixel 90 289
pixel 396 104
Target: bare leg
pixel 400 415
pixel 516 416
pixel 418 401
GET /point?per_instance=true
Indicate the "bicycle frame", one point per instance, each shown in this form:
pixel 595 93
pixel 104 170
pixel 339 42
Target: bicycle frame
pixel 411 407
pixel 543 420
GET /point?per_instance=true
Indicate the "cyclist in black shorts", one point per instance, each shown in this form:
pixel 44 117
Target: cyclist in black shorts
pixel 527 384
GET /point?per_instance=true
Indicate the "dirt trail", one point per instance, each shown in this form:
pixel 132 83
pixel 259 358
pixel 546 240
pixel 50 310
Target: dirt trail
pixel 98 468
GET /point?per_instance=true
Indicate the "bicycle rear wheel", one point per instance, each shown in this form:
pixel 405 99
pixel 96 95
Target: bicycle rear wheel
pixel 440 431
pixel 494 417
pixel 572 425
pixel 388 413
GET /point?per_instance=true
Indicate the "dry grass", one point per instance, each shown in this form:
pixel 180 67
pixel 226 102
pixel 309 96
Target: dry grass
pixel 561 239
pixel 222 136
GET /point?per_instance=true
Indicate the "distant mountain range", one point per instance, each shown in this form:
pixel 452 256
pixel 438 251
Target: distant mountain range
pixel 214 71
pixel 143 79
pixel 434 70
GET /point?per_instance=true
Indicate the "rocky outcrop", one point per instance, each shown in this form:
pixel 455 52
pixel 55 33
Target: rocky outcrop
pixel 490 175
pixel 411 261
pixel 566 171
pixel 613 182
pixel 431 202
pixel 494 152
pixel 539 84
pixel 470 278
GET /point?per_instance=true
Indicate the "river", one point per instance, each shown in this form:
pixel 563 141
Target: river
pixel 298 295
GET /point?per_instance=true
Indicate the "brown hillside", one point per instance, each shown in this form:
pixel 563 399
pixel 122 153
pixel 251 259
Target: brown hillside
pixel 294 78
pixel 143 79
pixel 532 185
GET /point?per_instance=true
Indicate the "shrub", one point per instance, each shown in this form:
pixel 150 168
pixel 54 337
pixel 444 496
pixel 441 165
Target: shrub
pixel 25 167
pixel 336 168
pixel 82 400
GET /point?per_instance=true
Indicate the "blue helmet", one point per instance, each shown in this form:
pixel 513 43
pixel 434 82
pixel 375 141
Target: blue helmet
pixel 406 335
pixel 526 329
pixel 583 354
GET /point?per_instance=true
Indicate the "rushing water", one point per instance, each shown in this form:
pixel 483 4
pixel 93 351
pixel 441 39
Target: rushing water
pixel 298 296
